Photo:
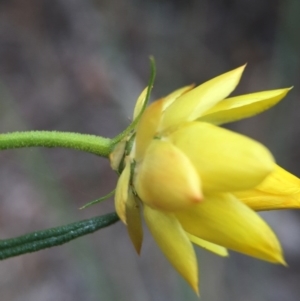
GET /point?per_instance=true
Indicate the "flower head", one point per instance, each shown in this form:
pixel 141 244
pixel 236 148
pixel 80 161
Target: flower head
pixel 198 183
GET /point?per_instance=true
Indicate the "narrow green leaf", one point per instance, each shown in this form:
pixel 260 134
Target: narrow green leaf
pixel 48 238
pixel 119 137
pixel 103 198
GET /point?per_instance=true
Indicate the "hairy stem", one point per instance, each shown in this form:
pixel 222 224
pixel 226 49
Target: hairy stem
pixel 89 143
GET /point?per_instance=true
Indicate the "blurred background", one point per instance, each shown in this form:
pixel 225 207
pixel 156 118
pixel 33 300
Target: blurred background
pixel 79 65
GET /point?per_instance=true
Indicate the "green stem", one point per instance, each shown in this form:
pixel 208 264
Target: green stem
pixel 89 143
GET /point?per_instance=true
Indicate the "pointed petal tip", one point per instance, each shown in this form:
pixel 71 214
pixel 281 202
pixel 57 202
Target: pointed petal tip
pixel 273 251
pixel 174 243
pixel 137 245
pixel 194 284
pixel 284 263
pixel 281 260
pixel 195 196
pixel 198 198
pixel 196 290
pixel 136 239
pixel 243 66
pixel 138 249
pixel 225 220
pixel 191 105
pixel 240 69
pixel 286 90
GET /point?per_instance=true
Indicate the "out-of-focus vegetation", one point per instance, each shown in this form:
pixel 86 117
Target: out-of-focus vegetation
pixel 78 65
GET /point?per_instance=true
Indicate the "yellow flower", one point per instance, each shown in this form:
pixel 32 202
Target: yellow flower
pixel 199 183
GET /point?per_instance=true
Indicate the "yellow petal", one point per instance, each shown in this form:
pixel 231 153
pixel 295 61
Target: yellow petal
pixel 166 179
pixel 280 190
pixel 280 182
pixel 169 99
pixel 174 243
pixel 224 220
pixel 194 103
pixel 140 103
pixel 225 161
pixel 260 201
pixel 221 251
pixel 121 195
pixel 134 222
pixel 240 107
pixel 115 157
pixel 150 120
pixel 147 128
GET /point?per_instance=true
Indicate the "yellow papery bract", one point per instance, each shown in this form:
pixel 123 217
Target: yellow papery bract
pixel 140 103
pixel 225 161
pixel 147 127
pixel 116 156
pixel 224 220
pixel 193 104
pixel 174 243
pixel 166 179
pixel 169 99
pixel 280 182
pixel 121 195
pixel 243 106
pixel 134 221
pixel 149 123
pixel 280 190
pixel 261 201
pixel 221 251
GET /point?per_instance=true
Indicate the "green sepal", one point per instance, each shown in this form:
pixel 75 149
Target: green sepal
pixel 52 237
